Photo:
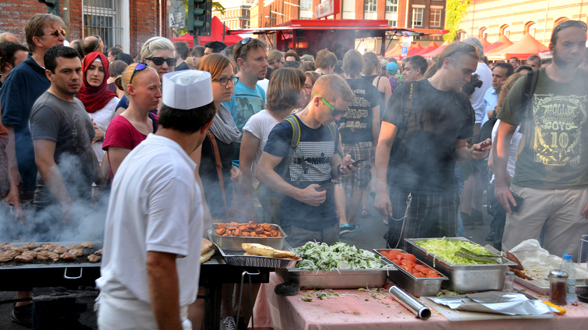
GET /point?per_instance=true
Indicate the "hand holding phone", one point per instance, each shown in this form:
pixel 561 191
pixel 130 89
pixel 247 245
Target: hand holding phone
pixel 356 162
pixel 484 145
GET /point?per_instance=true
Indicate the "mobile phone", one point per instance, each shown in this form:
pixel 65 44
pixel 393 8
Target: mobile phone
pixel 325 186
pixel 484 145
pixel 518 199
pixel 357 162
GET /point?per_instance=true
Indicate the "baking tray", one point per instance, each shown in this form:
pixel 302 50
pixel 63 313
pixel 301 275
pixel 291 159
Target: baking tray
pixel 337 279
pixel 237 258
pixel 234 242
pixel 418 286
pixel 463 278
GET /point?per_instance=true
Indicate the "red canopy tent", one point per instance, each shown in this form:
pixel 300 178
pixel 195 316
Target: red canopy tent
pixel 395 51
pixel 216 34
pixel 431 47
pixel 435 52
pixel 414 50
pixel 502 43
pixel 522 49
pixel 484 42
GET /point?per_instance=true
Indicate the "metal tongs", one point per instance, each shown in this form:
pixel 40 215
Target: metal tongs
pixel 465 253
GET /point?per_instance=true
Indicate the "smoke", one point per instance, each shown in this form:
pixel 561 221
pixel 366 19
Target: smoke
pixel 45 219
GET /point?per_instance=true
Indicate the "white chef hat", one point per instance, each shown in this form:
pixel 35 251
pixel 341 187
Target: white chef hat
pixel 188 89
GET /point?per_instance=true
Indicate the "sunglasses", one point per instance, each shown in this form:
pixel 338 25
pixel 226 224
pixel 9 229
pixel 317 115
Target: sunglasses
pixel 334 112
pixel 171 62
pixel 225 81
pixel 243 43
pixel 56 33
pixel 140 67
pixel 99 41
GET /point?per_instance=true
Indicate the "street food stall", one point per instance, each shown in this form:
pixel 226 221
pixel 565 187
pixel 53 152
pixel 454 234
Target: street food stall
pixel 304 36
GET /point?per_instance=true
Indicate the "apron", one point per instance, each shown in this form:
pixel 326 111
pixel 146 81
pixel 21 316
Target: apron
pixel 116 313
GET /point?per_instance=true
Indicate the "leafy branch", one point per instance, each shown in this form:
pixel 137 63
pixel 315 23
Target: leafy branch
pixel 456 10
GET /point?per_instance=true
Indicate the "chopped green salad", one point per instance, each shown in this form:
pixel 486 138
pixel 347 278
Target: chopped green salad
pixel 445 249
pixel 321 256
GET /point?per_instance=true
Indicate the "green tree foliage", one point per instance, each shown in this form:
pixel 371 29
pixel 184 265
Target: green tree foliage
pixel 456 9
pixel 216 6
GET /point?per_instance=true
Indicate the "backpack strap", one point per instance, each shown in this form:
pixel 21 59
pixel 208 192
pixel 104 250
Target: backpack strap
pixel 334 130
pixel 529 89
pixel 294 148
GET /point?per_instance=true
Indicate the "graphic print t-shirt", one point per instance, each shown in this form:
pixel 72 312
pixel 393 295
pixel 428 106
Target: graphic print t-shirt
pixel 356 123
pixel 553 151
pixel 318 148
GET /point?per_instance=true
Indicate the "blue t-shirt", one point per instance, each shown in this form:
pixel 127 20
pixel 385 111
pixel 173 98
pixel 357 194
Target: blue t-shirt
pixel 490 102
pixel 22 87
pixel 244 103
pixel 318 149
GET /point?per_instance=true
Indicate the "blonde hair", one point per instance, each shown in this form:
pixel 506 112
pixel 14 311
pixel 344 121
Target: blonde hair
pixel 124 79
pixel 153 44
pixel 331 87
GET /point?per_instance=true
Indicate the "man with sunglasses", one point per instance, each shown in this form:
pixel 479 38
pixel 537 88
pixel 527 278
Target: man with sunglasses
pixel 423 134
pixel 307 210
pixel 248 96
pixel 551 173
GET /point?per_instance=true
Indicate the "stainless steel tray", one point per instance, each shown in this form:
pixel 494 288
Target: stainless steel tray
pixel 237 258
pixel 234 242
pixel 333 279
pixel 418 286
pixel 463 278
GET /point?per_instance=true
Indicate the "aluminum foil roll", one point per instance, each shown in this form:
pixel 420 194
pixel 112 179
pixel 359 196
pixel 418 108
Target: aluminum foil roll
pixel 410 302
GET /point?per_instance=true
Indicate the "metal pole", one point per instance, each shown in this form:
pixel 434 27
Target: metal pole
pixel 198 36
pixel 224 31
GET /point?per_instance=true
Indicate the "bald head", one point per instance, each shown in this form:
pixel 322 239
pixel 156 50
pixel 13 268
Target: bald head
pixel 92 44
pixel 8 37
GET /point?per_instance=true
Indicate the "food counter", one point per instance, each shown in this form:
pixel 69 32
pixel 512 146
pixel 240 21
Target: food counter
pixel 364 310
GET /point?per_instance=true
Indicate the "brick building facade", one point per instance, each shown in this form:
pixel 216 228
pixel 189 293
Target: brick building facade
pixel 494 18
pixel 125 22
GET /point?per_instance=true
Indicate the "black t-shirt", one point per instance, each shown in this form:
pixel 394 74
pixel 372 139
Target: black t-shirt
pixel 318 149
pixel 356 123
pixel 209 176
pixel 423 154
pixel 181 67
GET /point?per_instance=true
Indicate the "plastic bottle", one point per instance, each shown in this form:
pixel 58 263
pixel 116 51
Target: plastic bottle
pixel 567 265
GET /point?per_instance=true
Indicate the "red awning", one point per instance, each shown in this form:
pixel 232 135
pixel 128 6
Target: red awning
pixel 484 42
pixel 414 50
pixel 521 49
pixel 502 43
pixel 431 47
pixel 436 52
pixel 216 34
pixel 395 51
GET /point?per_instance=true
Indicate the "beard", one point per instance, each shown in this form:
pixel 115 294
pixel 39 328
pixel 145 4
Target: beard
pixel 560 62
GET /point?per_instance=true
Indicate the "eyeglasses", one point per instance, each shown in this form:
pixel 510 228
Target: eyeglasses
pixel 99 41
pixel 56 33
pixel 242 43
pixel 171 62
pixel 140 67
pixel 334 112
pixel 568 24
pixel 225 81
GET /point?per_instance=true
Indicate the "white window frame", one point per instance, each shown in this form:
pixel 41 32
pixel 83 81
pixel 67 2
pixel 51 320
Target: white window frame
pixel 391 6
pixel 306 4
pixel 432 14
pixel 415 12
pixel 370 6
pixel 120 15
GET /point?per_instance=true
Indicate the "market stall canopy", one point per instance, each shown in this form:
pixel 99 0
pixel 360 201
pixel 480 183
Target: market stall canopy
pixel 435 52
pixel 502 43
pixel 429 48
pixel 485 43
pixel 216 34
pixel 522 49
pixel 414 50
pixel 395 51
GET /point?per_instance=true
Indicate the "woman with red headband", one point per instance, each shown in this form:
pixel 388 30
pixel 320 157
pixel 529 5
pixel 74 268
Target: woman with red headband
pixel 99 101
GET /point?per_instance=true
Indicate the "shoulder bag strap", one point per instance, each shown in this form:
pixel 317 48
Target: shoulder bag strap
pixel 294 148
pixel 219 165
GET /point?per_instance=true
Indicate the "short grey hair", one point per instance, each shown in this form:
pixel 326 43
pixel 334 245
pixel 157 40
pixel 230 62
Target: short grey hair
pixel 153 44
pixel 476 43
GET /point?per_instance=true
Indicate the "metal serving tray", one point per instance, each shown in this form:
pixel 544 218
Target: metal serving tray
pixel 337 279
pixel 418 286
pixel 237 258
pixel 234 242
pixel 463 278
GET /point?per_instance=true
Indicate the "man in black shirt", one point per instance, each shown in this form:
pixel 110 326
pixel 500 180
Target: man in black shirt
pixel 423 133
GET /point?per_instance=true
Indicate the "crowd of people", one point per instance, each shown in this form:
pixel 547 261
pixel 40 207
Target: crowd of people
pixel 307 141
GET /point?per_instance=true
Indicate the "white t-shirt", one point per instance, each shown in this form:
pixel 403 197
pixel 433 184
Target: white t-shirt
pixel 102 118
pixel 154 206
pixel 478 96
pixel 514 147
pixel 260 125
pixel 264 84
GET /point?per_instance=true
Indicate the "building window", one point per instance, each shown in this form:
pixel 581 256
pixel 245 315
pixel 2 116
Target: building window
pixel 417 17
pixel 483 34
pixel 101 18
pixel 505 30
pixel 391 6
pixel 393 23
pixel 370 6
pixel 530 28
pixel 436 17
pixel 306 4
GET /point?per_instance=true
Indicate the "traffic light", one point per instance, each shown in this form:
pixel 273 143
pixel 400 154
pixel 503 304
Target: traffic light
pixel 52 6
pixel 199 17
